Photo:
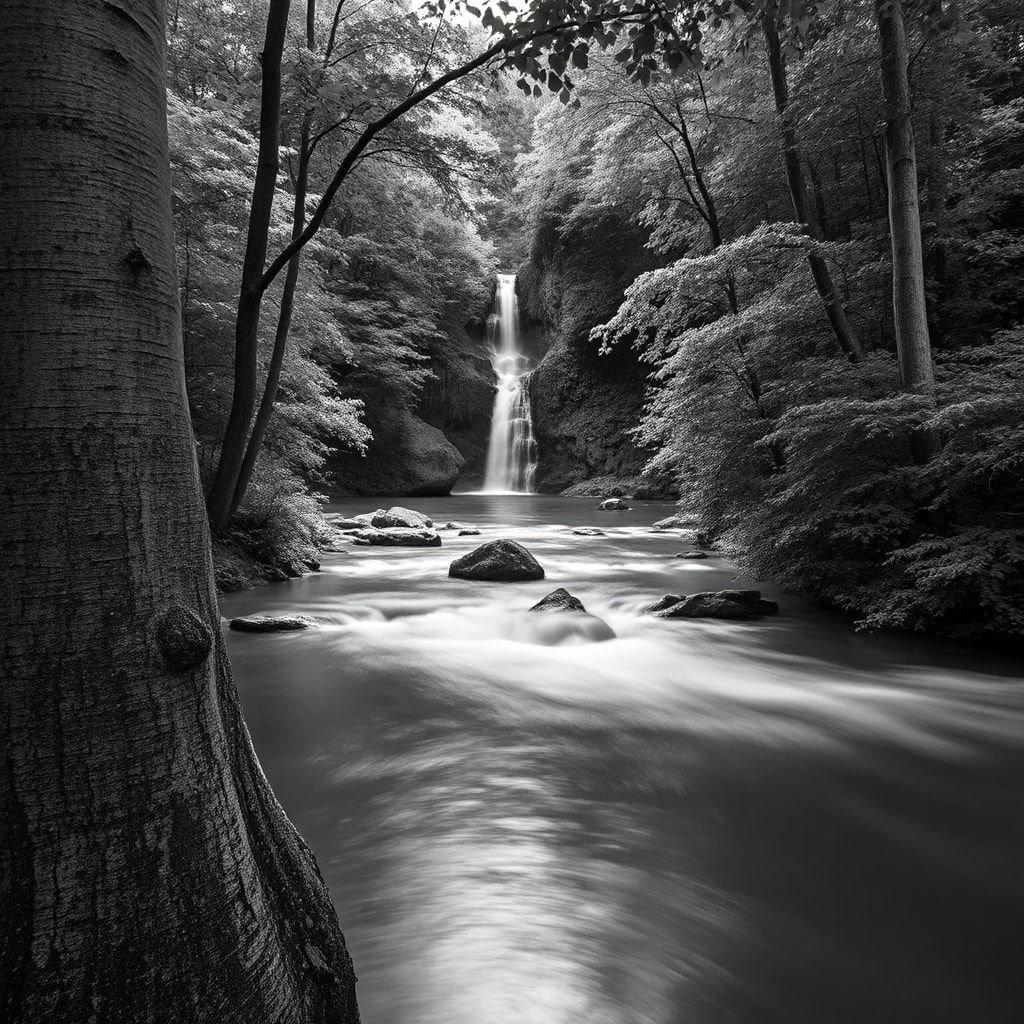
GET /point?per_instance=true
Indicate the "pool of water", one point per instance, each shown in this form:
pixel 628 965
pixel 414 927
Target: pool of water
pixel 696 821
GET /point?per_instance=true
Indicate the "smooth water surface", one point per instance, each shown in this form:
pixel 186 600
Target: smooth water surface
pixel 693 823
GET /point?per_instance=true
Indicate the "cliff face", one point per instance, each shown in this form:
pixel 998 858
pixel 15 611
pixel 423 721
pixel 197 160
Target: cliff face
pixel 425 451
pixel 584 404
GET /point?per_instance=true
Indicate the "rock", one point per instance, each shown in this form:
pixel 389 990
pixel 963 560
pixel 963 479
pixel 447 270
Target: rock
pixel 588 531
pixel 399 516
pixel 271 623
pixel 406 456
pixel 613 505
pixel 275 575
pixel 397 537
pixel 347 525
pixel 559 600
pixel 456 526
pixel 499 560
pixel 677 522
pixel 660 605
pixel 312 564
pixel 294 569
pixel 692 554
pixel 721 604
pixel 469 533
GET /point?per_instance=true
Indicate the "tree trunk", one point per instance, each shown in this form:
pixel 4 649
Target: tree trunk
pixel 247 320
pixel 913 345
pixel 147 873
pixel 823 282
pixel 284 316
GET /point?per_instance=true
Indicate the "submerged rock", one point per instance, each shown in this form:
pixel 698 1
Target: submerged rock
pixel 673 523
pixel 400 517
pixel 502 561
pixel 470 532
pixel 661 604
pixel 719 604
pixel 271 623
pixel 398 537
pixel 588 531
pixel 559 600
pixel 614 505
pixel 692 554
pixel 455 525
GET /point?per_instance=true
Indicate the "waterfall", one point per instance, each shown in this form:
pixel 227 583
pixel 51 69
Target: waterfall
pixel 512 452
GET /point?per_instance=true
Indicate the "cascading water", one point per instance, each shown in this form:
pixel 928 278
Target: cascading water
pixel 512 452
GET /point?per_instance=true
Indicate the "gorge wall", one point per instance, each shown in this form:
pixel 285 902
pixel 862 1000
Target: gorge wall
pixel 584 404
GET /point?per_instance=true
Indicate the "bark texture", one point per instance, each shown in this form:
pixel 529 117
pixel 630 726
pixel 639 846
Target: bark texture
pixel 913 344
pixel 802 209
pixel 147 874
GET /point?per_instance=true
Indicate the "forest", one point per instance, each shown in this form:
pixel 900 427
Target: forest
pixel 682 295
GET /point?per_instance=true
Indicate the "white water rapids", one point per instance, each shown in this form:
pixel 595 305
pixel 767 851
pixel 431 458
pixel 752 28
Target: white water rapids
pixel 512 451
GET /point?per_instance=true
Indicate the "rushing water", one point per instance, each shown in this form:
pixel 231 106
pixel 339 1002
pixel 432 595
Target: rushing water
pixel 511 451
pixel 693 823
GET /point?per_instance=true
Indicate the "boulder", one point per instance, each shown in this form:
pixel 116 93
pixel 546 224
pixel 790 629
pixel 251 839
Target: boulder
pixel 588 531
pixel 721 604
pixel 398 537
pixel 271 623
pixel 294 569
pixel 559 600
pixel 401 517
pixel 499 560
pixel 470 532
pixel 614 505
pixel 661 604
pixel 692 554
pixel 677 522
pixel 347 525
pixel 275 575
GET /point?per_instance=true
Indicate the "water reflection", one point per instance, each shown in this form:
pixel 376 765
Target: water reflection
pixel 701 822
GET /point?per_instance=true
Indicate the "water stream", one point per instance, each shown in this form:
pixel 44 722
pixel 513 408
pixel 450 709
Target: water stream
pixel 693 823
pixel 511 451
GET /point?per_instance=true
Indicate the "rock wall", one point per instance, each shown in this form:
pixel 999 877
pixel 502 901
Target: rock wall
pixel 584 404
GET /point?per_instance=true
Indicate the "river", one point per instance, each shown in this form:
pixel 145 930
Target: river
pixel 694 823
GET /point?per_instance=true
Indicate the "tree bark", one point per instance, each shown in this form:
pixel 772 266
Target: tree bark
pixel 146 871
pixel 823 283
pixel 247 321
pixel 913 345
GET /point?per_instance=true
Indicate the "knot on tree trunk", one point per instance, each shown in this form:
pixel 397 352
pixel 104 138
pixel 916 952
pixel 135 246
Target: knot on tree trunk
pixel 183 638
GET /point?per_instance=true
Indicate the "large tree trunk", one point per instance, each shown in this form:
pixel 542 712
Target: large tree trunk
pixel 147 873
pixel 803 210
pixel 219 501
pixel 909 309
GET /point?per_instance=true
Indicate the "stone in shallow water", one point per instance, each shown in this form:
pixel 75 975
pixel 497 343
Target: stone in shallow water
pixel 692 554
pixel 720 604
pixel 661 604
pixel 456 525
pixel 559 600
pixel 614 505
pixel 588 531
pixel 271 623
pixel 397 537
pixel 470 532
pixel 673 523
pixel 402 517
pixel 502 561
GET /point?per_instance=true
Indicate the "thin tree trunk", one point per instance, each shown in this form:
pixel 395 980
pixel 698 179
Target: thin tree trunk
pixel 284 317
pixel 247 322
pixel 913 345
pixel 823 282
pixel 147 873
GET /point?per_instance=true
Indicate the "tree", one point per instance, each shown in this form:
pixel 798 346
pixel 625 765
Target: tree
pixel 805 213
pixel 146 871
pixel 913 344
